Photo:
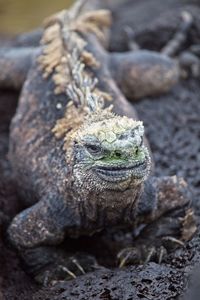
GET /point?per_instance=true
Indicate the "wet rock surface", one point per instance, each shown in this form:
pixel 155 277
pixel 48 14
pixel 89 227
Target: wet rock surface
pixel 173 130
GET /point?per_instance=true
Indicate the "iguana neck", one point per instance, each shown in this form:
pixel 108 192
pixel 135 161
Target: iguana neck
pixel 107 208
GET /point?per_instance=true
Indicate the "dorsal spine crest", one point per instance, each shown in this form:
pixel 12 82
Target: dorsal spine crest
pixel 65 58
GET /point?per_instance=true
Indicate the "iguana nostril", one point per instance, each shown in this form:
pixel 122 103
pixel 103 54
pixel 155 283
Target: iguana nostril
pixel 136 151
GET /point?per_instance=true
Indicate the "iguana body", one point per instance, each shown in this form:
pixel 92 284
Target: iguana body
pixel 80 166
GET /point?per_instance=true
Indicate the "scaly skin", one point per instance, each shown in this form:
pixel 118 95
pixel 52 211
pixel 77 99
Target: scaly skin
pixel 79 166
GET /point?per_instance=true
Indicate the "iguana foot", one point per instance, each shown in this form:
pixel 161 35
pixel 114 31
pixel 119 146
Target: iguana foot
pixel 49 265
pixel 140 255
pixel 160 238
pixel 71 268
pixel 143 254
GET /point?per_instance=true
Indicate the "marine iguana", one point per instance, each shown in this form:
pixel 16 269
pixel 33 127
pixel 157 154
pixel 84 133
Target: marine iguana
pixel 79 156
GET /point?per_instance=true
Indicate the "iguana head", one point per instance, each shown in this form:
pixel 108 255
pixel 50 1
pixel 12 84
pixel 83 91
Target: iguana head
pixel 109 153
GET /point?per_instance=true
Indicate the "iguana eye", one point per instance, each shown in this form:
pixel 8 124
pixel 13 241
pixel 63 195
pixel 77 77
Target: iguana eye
pixel 93 149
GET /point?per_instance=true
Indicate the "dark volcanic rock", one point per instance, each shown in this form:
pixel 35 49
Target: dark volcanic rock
pixel 172 126
pixel 148 282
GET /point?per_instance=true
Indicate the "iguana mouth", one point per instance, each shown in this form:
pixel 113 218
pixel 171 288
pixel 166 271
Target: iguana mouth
pixel 121 173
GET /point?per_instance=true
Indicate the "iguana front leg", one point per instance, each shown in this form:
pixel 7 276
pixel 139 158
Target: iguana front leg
pixel 165 206
pixel 38 225
pixel 14 65
pixel 37 231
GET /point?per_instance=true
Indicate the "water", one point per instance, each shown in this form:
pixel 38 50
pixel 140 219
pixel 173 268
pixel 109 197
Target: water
pixel 22 15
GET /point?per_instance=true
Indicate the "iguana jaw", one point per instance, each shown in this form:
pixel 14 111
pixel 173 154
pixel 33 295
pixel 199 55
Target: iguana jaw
pixel 122 173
